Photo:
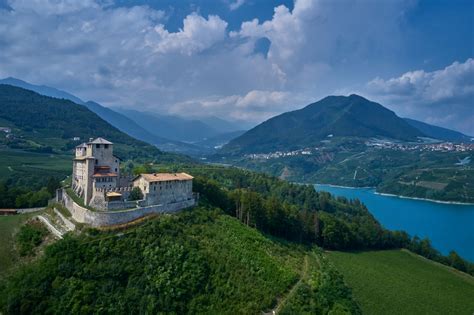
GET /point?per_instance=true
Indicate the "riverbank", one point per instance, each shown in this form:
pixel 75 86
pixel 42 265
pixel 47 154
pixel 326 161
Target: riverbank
pixel 399 196
pixel 447 225
pixel 426 199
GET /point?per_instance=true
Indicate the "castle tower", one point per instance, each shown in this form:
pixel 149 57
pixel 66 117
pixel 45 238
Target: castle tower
pixel 94 166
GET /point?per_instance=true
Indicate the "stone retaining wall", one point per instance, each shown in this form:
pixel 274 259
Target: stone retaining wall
pixel 106 218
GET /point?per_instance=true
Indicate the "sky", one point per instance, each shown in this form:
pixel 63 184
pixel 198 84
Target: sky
pixel 248 60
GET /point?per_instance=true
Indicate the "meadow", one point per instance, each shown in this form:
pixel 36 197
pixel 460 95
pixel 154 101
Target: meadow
pixel 400 282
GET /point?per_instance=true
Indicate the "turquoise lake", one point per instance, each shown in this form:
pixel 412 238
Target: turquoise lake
pixel 448 226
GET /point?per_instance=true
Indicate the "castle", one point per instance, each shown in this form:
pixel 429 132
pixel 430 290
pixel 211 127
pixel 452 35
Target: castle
pixel 96 179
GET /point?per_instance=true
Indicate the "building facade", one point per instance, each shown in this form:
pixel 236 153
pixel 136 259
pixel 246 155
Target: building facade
pixel 96 179
pixel 163 188
pixel 94 166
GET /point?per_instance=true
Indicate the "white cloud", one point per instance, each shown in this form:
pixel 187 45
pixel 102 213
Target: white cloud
pixel 126 56
pixel 254 106
pixel 236 4
pixel 444 96
pixel 197 34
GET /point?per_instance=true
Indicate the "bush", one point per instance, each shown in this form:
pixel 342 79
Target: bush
pixel 136 194
pixel 29 237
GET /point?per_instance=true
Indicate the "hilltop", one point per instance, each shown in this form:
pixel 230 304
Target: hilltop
pixel 337 116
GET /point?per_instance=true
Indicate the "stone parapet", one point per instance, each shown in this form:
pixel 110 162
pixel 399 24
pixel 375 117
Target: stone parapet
pixel 107 218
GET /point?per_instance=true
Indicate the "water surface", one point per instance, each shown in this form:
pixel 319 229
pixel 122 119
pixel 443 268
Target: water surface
pixel 448 226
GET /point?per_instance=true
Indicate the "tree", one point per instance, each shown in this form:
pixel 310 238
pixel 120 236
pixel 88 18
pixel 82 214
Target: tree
pixel 456 261
pixel 136 194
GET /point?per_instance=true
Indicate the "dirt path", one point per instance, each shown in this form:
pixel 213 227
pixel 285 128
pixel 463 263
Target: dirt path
pixel 285 298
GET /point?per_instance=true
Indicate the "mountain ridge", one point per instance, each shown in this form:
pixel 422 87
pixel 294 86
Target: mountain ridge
pixel 345 116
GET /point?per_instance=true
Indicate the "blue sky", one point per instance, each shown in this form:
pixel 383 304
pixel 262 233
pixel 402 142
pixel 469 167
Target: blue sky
pixel 248 59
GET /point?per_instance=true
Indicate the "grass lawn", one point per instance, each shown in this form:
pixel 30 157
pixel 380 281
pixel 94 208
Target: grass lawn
pixel 8 226
pixel 400 282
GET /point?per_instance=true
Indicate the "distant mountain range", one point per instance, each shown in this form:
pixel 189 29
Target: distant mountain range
pixel 334 116
pixel 436 132
pixel 169 133
pixel 45 124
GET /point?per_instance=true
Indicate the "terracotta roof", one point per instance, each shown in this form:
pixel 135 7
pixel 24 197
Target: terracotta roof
pixel 164 177
pixel 105 174
pixel 113 194
pixel 100 141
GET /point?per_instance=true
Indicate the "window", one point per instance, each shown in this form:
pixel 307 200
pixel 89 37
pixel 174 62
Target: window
pixel 106 146
pixel 96 162
pixel 97 146
pixel 116 170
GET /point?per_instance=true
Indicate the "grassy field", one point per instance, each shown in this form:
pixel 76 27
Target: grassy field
pixel 399 282
pixel 14 162
pixel 8 226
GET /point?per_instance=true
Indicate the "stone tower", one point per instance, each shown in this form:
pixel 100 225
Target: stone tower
pixel 94 166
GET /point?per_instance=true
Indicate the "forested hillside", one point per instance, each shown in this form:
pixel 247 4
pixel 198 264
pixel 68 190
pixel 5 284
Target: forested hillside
pixel 197 262
pixel 45 124
pixel 37 152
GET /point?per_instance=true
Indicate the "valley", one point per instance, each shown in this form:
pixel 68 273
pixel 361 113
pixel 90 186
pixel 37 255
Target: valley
pixel 254 243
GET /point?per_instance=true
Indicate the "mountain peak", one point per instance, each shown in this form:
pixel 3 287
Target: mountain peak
pixel 343 116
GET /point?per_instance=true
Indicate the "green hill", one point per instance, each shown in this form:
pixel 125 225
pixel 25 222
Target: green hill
pixel 340 116
pixel 399 282
pixel 48 125
pixel 198 262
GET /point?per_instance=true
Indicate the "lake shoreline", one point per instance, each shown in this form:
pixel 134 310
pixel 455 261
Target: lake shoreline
pixel 448 225
pixel 401 196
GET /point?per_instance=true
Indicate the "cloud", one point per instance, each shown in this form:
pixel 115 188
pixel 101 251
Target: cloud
pixel 444 96
pixel 197 35
pixel 254 106
pixel 236 4
pixel 127 56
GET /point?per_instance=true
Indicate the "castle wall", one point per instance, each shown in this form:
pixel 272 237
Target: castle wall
pixel 165 191
pixel 107 218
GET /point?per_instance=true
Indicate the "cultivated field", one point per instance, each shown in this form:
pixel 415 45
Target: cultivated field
pixel 399 282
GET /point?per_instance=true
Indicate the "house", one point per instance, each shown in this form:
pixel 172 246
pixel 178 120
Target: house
pixel 163 188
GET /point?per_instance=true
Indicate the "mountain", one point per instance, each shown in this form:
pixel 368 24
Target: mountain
pixel 438 132
pixel 223 126
pixel 42 89
pixel 220 140
pixel 47 124
pixel 117 120
pixel 130 127
pixel 340 116
pixel 171 127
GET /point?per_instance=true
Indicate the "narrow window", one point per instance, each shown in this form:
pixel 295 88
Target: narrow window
pixel 97 146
